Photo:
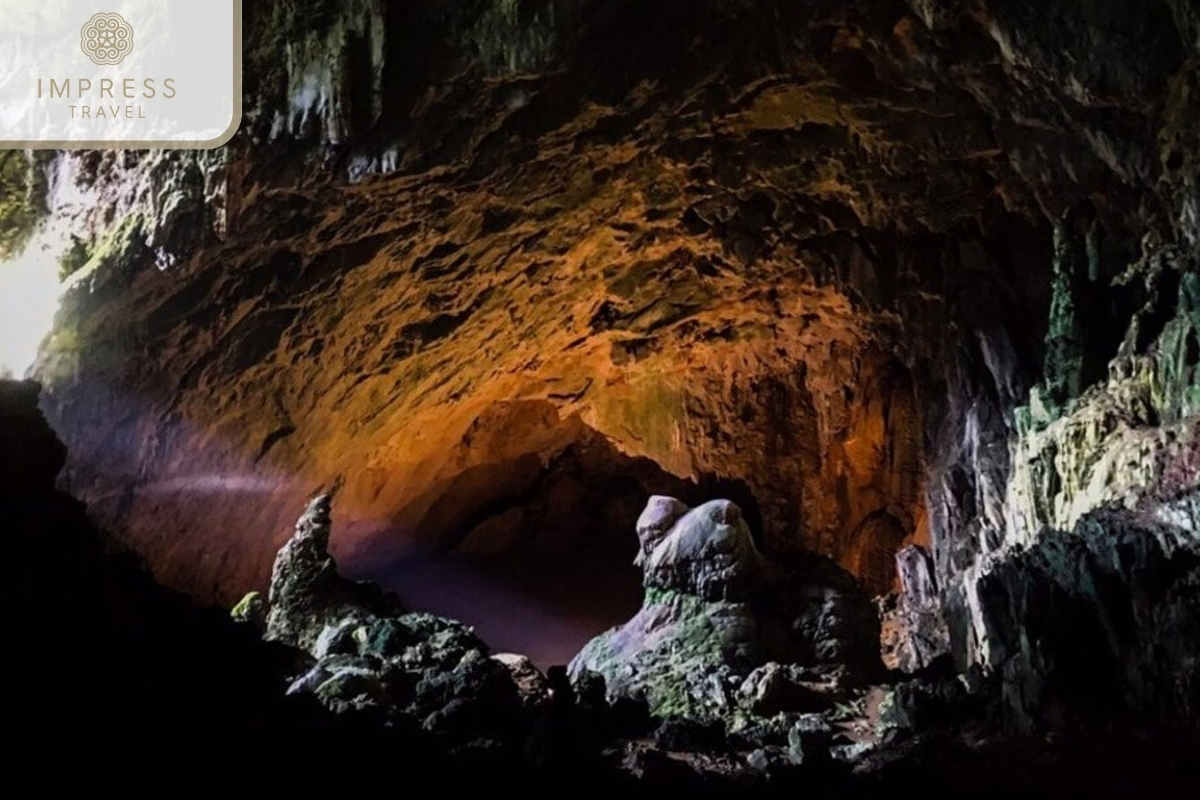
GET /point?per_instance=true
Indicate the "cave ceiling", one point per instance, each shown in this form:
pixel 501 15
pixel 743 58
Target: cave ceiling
pixel 751 242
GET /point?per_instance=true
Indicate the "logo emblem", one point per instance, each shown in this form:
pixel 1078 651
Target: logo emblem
pixel 107 39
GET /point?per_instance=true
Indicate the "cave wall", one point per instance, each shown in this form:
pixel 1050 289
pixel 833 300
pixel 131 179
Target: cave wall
pixel 911 272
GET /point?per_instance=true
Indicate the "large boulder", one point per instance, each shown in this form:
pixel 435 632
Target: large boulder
pixel 1101 621
pixel 716 612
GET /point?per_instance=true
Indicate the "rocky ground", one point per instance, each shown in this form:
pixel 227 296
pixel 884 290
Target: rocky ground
pixel 709 687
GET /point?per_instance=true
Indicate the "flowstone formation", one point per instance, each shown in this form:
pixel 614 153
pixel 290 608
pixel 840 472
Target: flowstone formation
pixel 723 632
pixel 368 655
pixel 1080 596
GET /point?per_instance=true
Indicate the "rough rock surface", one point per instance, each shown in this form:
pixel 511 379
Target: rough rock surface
pixel 307 595
pixel 190 692
pixel 914 631
pixel 1099 527
pixel 722 628
pixel 23 190
pixel 1100 622
pixel 403 669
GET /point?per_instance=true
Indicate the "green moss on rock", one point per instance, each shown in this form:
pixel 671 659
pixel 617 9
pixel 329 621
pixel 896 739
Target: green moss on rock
pixel 22 201
pixel 251 609
pixel 76 257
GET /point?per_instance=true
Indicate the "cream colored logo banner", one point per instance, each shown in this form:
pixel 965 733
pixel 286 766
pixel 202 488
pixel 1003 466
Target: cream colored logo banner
pixel 119 73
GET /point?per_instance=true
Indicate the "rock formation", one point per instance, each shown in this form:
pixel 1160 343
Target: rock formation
pixel 914 629
pixel 721 627
pixel 130 680
pixel 1099 622
pixel 308 597
pixel 370 656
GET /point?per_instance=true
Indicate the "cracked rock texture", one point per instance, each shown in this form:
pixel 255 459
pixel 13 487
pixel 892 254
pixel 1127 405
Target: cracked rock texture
pixel 914 632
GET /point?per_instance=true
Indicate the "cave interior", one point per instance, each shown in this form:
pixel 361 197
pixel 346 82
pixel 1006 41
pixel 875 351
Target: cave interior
pixel 899 301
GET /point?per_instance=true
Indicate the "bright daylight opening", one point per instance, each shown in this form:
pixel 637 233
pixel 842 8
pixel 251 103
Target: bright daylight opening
pixel 29 295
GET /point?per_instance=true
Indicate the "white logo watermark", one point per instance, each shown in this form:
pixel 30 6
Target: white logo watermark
pixel 140 73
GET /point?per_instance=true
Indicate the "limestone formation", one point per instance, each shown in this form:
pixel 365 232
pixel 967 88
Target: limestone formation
pixel 655 522
pixel 371 657
pixel 1100 621
pixel 914 629
pixel 308 597
pixel 722 628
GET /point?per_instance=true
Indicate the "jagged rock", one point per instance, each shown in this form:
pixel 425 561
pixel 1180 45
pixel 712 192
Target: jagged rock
pixel 754 292
pixel 22 200
pixel 771 732
pixel 532 685
pixel 724 263
pixel 764 760
pixel 689 735
pixel 870 259
pixel 345 683
pixel 926 702
pixel 916 575
pixel 775 688
pixel 370 656
pixel 893 712
pixel 715 611
pixel 914 632
pixel 1100 621
pixel 809 741
pixel 1124 453
pixel 307 594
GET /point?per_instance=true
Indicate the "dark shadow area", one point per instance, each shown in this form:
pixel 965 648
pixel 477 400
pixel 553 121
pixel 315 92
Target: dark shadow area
pixel 130 681
pixel 537 603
